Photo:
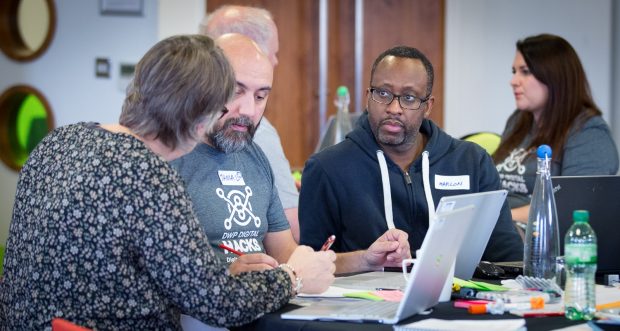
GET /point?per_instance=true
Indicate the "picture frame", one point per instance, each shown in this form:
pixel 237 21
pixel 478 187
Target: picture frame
pixel 121 7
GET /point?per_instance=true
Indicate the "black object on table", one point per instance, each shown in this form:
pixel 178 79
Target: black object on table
pixel 443 310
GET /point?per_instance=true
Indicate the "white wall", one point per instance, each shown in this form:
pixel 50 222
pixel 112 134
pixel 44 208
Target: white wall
pixel 480 47
pixel 180 17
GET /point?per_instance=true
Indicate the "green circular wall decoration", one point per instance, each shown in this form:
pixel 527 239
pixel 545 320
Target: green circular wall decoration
pixel 25 119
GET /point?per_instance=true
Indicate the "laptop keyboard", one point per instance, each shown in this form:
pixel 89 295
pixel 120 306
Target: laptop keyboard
pixel 371 310
pixel 372 281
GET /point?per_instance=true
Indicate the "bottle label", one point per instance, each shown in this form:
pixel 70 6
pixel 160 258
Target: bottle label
pixel 580 253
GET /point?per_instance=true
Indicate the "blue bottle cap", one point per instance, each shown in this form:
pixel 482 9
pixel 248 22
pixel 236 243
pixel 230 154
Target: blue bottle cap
pixel 543 150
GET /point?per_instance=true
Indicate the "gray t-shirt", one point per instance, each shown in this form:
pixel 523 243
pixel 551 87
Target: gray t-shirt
pixel 267 138
pixel 234 197
pixel 589 150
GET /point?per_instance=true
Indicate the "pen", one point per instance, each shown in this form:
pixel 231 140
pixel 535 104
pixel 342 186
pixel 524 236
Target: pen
pixel 543 314
pixel 615 304
pixel 230 249
pixel 328 243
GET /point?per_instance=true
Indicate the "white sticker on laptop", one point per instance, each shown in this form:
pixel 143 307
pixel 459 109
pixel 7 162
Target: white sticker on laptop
pixel 452 182
pixel 228 177
pixel 446 206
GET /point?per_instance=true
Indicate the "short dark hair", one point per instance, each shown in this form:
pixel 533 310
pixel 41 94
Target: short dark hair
pixel 180 82
pixel 411 53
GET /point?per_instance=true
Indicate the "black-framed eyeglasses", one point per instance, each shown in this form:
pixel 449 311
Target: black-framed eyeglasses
pixel 406 101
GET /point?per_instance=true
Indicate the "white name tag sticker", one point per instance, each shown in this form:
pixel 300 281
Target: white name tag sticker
pixel 452 182
pixel 230 177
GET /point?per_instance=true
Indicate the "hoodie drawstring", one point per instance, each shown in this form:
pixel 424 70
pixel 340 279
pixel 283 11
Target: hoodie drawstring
pixel 387 191
pixel 427 188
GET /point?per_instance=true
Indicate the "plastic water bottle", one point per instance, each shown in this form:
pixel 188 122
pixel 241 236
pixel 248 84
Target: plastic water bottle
pixel 343 122
pixel 339 125
pixel 542 238
pixel 580 256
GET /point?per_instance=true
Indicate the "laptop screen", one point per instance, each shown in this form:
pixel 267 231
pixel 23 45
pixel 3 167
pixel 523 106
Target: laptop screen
pixel 600 195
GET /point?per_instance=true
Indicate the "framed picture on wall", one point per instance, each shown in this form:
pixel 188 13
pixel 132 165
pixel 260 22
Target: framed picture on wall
pixel 121 7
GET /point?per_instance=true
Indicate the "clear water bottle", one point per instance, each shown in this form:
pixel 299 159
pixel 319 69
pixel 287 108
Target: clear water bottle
pixel 343 121
pixel 542 238
pixel 580 258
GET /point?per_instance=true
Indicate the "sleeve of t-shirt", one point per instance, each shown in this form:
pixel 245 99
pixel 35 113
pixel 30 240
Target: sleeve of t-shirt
pixel 275 213
pixel 267 138
pixel 591 151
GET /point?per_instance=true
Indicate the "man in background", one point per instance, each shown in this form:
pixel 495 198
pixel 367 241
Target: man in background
pixel 258 25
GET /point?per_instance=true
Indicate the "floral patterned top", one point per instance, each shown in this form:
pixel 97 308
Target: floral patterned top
pixel 103 235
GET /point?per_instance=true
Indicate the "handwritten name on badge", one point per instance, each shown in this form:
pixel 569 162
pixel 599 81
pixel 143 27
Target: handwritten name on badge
pixel 452 182
pixel 230 177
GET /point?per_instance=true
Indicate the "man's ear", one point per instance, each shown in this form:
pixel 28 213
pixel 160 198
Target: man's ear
pixel 429 106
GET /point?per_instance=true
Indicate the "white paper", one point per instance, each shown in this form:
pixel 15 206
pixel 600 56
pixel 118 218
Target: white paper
pixel 463 325
pixel 332 292
pixel 607 294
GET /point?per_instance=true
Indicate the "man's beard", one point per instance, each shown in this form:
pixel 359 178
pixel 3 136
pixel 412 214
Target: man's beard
pixel 228 140
pixel 404 137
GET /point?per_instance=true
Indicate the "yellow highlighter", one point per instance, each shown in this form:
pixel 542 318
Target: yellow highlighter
pixel 363 295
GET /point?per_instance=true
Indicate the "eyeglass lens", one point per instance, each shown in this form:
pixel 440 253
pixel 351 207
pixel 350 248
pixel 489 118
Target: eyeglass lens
pixel 405 101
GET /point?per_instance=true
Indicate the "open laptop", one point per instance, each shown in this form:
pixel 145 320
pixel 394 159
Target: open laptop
pixel 489 205
pixel 600 195
pixel 437 254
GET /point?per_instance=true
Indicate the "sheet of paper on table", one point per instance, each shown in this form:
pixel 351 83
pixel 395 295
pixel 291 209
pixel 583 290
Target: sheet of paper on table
pixel 341 292
pixel 331 292
pixel 464 325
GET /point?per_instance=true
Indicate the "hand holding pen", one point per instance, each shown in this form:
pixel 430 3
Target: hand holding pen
pixel 230 249
pixel 329 242
pixel 315 269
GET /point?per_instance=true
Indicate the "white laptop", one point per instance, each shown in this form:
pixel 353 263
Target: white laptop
pixel 437 254
pixel 488 206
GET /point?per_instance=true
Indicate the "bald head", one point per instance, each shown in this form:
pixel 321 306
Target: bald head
pixel 256 23
pixel 246 57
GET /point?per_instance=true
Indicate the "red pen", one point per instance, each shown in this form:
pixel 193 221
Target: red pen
pixel 328 243
pixel 544 314
pixel 230 249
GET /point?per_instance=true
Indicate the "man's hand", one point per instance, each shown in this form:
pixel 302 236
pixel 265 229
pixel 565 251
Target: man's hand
pixel 252 262
pixel 388 250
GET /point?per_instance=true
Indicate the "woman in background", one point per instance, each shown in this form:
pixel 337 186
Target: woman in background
pixel 103 233
pixel 554 107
